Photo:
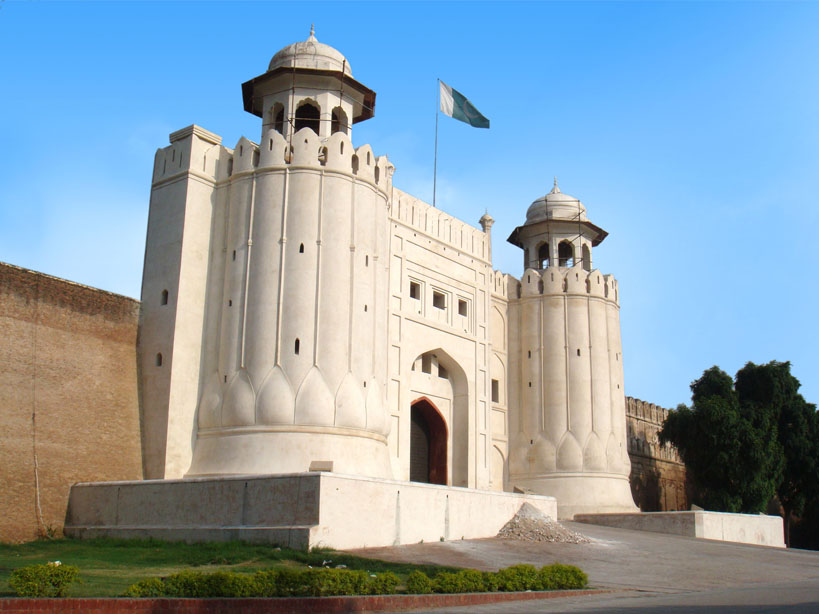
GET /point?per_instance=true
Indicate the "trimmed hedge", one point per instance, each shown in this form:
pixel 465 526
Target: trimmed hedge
pixel 46 580
pixel 322 582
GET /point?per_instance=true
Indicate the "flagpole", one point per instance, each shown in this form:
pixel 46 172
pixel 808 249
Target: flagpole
pixel 435 166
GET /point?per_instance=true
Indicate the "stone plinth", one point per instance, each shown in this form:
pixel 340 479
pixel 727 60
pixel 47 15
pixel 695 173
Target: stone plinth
pixel 741 528
pixel 296 510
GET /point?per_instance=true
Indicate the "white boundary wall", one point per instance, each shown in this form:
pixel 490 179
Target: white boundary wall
pixel 297 510
pixel 741 528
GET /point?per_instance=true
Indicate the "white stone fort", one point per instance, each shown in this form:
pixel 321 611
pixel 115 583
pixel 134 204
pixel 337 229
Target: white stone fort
pixel 301 313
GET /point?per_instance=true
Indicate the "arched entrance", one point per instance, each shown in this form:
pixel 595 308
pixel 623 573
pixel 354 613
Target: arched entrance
pixel 428 437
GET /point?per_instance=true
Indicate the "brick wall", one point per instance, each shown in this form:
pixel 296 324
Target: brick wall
pixel 68 395
pixel 658 478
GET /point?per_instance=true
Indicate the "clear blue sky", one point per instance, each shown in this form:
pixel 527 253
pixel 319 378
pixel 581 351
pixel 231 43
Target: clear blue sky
pixel 689 131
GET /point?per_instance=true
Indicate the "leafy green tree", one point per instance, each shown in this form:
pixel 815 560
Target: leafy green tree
pixel 748 439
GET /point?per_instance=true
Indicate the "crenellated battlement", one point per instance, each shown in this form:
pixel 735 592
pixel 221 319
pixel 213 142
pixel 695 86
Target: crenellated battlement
pixel 560 280
pixel 505 285
pixel 645 420
pixel 194 149
pixel 438 225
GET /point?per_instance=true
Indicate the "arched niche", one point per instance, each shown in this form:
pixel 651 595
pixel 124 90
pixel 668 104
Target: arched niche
pixel 428 443
pixel 436 374
pixel 308 115
pixel 565 254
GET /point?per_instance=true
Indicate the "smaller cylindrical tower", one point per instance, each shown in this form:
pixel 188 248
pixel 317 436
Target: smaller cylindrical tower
pixel 571 434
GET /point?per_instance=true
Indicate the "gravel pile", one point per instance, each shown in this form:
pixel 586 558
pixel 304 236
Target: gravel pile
pixel 530 524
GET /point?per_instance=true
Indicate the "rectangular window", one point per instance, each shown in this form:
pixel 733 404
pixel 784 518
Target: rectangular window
pixel 495 391
pixel 426 363
pixel 438 300
pixel 415 290
pixel 462 307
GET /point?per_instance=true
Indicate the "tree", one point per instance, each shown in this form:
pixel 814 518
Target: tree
pixel 746 440
pixel 732 459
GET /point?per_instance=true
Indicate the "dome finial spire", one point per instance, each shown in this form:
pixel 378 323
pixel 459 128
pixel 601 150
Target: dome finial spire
pixel 312 31
pixel 555 189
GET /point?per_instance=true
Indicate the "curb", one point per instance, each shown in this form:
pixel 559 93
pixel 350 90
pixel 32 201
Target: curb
pixel 281 605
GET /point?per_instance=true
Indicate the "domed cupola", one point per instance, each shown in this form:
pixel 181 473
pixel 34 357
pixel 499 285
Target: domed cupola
pixel 555 205
pixel 311 54
pixel 308 85
pixel 557 232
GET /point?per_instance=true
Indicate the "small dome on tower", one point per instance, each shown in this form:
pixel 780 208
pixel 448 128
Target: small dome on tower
pixel 555 205
pixel 311 54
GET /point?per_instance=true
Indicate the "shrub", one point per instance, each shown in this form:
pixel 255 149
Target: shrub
pixel 447 582
pixel 557 576
pixel 490 581
pixel 326 582
pixel 471 581
pixel 46 580
pixel 383 584
pixel 150 587
pixel 418 583
pixel 519 578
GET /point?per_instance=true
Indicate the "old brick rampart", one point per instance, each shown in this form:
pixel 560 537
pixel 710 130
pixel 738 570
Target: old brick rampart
pixel 68 396
pixel 658 478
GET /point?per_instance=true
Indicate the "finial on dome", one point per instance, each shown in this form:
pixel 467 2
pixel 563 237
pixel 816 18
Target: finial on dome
pixel 312 32
pixel 555 189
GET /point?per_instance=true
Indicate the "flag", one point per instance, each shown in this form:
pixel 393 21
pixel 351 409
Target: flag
pixel 455 104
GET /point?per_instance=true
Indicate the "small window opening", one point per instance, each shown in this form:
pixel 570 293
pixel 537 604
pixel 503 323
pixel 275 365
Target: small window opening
pixel 341 147
pixel 426 363
pixel 241 150
pixel 495 391
pixel 530 353
pixel 365 384
pixel 438 300
pixel 164 297
pixel 226 379
pixel 338 122
pixel 278 118
pixel 368 158
pixel 159 360
pixel 322 158
pixel 578 351
pixel 442 372
pixel 230 167
pixel 377 174
pixel 530 384
pixel 307 116
pixel 565 254
pixel 366 260
pixel 462 307
pixel 365 309
pixel 256 157
pixel 296 347
pixel 355 165
pixel 234 254
pixel 301 248
pixel 586 258
pixel 230 303
pixel 415 290
pixel 543 256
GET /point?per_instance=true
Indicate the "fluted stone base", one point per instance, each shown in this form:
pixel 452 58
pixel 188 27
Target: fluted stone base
pixel 579 493
pixel 291 449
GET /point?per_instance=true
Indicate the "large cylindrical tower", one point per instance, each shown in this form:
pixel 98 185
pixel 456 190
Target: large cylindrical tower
pixel 570 431
pixel 294 359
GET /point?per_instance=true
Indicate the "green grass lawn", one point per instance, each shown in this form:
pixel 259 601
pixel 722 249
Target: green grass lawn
pixel 109 566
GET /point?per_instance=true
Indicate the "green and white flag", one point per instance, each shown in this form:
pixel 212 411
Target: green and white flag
pixel 455 104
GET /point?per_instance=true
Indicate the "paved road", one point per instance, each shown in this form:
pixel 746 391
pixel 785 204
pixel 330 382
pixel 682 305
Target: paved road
pixel 651 572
